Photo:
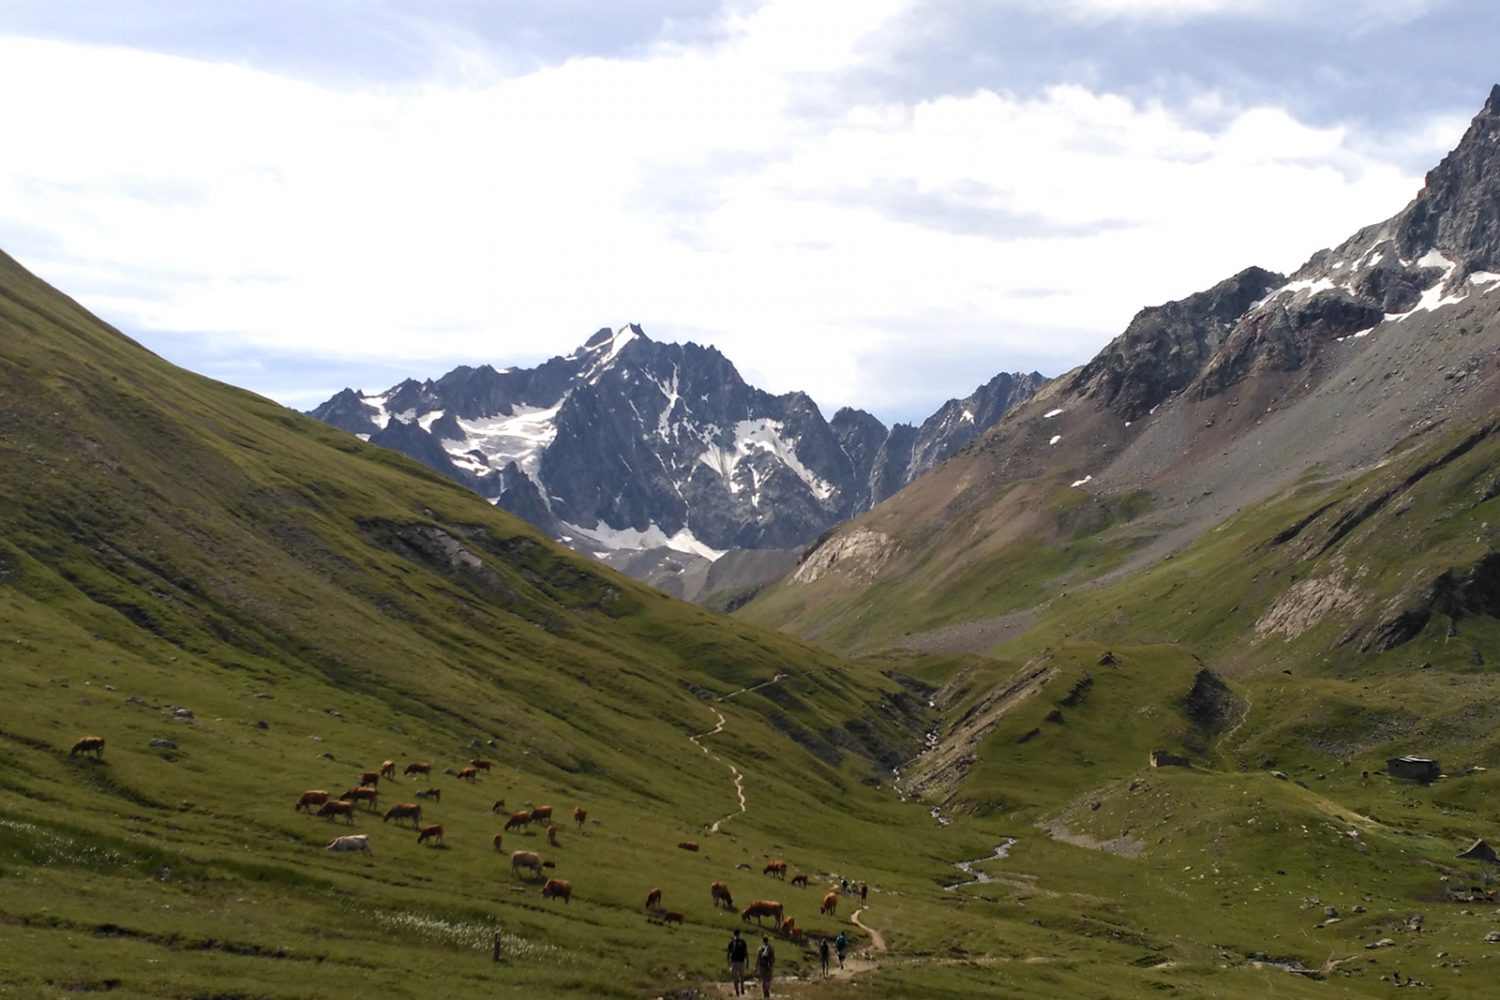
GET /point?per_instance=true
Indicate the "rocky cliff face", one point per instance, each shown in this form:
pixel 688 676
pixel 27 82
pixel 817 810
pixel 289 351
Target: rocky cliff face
pixel 907 453
pixel 1442 246
pixel 627 445
pixel 1165 347
pixel 1439 249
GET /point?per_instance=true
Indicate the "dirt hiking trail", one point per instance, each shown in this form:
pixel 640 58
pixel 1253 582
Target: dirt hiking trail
pixel 736 779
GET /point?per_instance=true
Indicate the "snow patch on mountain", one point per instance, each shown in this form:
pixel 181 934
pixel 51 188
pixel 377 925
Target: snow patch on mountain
pixel 762 435
pixel 1433 297
pixel 669 391
pixel 520 436
pixel 630 539
pixel 377 403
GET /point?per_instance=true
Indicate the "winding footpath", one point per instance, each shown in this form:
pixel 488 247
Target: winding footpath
pixel 737 780
pixel 869 957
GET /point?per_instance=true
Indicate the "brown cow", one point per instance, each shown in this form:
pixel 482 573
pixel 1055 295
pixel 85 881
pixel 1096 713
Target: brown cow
pixel 388 769
pixel 518 819
pixel 653 899
pixel 469 773
pixel 526 859
pixel 89 744
pixel 404 810
pixel 337 807
pixel 777 868
pixel 671 917
pixel 762 908
pixel 497 841
pixel 432 831
pixel 482 764
pixel 800 879
pixel 789 927
pixel 830 903
pixel 371 778
pixel 310 798
pixel 418 767
pixel 720 893
pixel 557 888
pixel 541 814
pixel 362 793
pixel 434 793
pixel 552 834
pixel 688 845
pixel 579 815
pixel 498 807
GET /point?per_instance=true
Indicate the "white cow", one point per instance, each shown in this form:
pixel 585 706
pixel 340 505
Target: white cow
pixel 353 842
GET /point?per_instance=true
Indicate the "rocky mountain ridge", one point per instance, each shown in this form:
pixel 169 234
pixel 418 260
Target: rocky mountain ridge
pixel 627 446
pixel 1203 408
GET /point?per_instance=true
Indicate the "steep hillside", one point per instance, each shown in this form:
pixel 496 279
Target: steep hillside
pixel 247 604
pixel 1201 408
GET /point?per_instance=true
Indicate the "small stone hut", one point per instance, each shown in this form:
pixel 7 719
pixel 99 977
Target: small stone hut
pixel 1161 758
pixel 1413 768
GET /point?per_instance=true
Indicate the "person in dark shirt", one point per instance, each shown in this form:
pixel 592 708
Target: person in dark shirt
pixel 738 953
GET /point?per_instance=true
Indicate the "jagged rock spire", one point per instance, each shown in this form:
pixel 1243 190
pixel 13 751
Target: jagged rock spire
pixel 1458 209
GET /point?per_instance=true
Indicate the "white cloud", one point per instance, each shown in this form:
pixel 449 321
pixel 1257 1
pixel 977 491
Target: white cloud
pixel 1357 14
pixel 733 194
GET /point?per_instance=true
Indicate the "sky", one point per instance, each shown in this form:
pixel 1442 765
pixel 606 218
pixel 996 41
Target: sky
pixel 882 203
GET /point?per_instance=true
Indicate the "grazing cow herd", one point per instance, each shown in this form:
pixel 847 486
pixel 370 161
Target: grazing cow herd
pixel 522 861
pixel 367 791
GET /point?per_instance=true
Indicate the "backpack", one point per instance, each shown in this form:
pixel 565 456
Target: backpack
pixel 738 950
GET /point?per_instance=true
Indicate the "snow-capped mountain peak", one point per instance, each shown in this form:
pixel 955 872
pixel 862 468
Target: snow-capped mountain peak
pixel 627 444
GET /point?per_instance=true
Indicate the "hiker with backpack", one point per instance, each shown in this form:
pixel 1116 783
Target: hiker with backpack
pixel 765 963
pixel 738 953
pixel 841 945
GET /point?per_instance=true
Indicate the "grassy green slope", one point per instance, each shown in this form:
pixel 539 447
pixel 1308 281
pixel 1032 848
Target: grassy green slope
pixel 1351 622
pixel 319 605
pixel 168 544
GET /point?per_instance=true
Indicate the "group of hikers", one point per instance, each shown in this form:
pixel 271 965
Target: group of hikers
pixel 738 953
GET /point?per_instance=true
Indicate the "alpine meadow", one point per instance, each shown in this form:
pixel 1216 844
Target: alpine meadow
pixel 1173 675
